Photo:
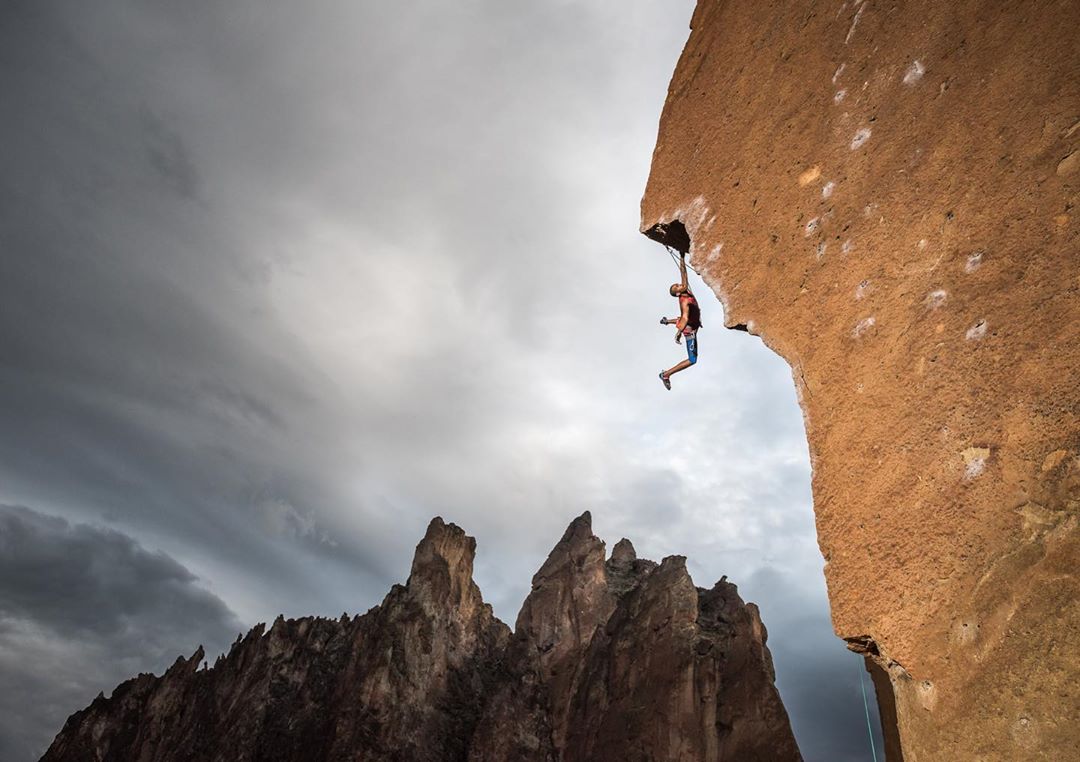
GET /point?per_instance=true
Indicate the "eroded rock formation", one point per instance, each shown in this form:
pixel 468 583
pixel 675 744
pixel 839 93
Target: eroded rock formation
pixel 619 659
pixel 403 681
pixel 887 194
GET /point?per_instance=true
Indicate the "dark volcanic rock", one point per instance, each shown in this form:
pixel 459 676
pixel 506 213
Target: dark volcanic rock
pixel 403 682
pixel 612 660
pixel 679 673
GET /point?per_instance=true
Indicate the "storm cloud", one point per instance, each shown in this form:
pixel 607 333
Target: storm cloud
pixel 81 609
pixel 279 282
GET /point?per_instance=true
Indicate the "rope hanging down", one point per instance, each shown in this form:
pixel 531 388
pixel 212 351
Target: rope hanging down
pixel 866 708
pixel 675 259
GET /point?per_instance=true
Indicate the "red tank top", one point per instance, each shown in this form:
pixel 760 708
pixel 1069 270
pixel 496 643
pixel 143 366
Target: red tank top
pixel 693 316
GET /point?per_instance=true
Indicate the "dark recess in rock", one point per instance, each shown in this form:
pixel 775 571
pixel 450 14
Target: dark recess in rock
pixel 671 234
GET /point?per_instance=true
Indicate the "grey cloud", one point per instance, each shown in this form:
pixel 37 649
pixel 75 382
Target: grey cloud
pixel 816 674
pixel 81 609
pixel 167 154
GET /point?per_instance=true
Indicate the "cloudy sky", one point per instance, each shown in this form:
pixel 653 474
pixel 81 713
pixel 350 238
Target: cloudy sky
pixel 279 282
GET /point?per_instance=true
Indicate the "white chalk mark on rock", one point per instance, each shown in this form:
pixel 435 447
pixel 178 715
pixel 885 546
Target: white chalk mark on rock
pixel 828 189
pixel 861 137
pixel 976 331
pixel 811 227
pixel 847 247
pixel 863 326
pixel 936 299
pixel 862 289
pixel 974 461
pixel 855 22
pixel 839 71
pixel 974 262
pixel 840 95
pixel 821 249
pixel 914 73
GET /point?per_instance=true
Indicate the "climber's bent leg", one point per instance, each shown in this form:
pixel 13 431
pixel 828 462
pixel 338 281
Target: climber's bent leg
pixel 691 359
pixel 681 366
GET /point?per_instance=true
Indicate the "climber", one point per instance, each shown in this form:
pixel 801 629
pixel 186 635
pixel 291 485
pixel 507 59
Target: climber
pixel 686 325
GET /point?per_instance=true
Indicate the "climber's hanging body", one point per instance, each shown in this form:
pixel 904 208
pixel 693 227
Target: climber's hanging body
pixel 686 325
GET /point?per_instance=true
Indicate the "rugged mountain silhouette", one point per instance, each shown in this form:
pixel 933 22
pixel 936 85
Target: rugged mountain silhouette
pixel 612 659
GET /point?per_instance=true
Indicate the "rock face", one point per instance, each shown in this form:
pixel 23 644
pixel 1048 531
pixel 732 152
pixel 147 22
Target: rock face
pixel 887 194
pixel 402 682
pixel 625 660
pixel 617 660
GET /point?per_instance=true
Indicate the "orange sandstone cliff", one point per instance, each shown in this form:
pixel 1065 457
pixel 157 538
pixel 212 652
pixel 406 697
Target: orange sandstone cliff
pixel 888 194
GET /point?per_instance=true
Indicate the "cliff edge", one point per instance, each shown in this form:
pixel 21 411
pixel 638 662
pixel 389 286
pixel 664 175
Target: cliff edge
pixel 887 194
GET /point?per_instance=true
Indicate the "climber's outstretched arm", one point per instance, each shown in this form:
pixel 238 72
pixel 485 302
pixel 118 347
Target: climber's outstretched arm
pixel 682 270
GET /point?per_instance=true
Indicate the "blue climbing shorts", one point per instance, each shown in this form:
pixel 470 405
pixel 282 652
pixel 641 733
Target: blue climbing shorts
pixel 691 346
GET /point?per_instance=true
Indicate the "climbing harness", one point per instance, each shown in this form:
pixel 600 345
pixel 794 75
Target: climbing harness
pixel 866 708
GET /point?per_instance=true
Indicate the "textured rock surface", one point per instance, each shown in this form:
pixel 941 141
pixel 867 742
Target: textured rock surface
pixel 612 660
pixel 701 656
pixel 625 660
pixel 887 194
pixel 403 682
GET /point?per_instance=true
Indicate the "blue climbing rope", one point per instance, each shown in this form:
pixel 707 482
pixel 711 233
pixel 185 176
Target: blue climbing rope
pixel 866 708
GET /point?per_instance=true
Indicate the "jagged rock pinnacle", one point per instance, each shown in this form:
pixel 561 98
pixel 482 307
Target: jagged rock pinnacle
pixel 430 675
pixel 623 552
pixel 443 564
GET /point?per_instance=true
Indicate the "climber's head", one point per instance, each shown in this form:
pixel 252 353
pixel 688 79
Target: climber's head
pixel 677 289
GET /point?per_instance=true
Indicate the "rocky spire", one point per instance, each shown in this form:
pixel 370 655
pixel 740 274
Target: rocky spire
pixel 569 596
pixel 623 552
pixel 442 567
pixel 612 660
pixel 624 569
pixel 568 601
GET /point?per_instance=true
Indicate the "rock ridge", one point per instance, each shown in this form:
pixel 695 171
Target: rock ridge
pixel 614 658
